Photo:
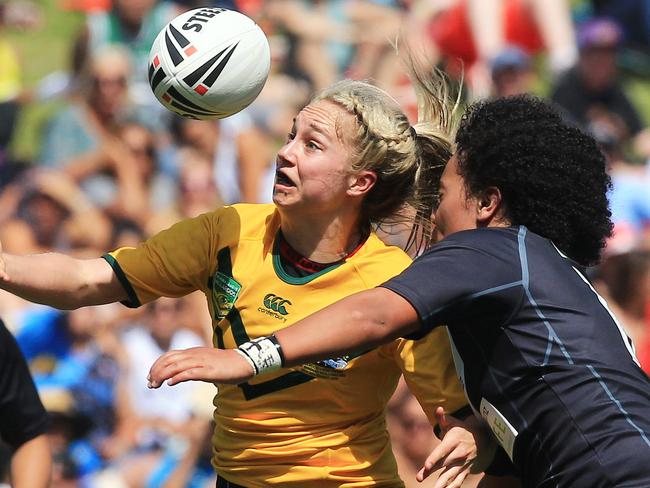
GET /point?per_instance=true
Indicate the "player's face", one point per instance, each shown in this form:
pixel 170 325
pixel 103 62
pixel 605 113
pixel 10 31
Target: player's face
pixel 456 211
pixel 313 166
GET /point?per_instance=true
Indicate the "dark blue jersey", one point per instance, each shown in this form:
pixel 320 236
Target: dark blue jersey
pixel 22 416
pixel 540 355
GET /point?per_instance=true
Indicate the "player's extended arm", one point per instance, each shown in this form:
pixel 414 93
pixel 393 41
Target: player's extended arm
pixel 359 322
pixel 356 323
pixel 60 281
pixel 31 464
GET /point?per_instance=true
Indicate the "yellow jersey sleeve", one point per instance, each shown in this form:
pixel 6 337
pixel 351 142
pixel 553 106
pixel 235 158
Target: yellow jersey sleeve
pixel 172 263
pixel 429 371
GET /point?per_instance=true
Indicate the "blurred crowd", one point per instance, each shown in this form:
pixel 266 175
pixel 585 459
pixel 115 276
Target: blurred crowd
pixel 112 167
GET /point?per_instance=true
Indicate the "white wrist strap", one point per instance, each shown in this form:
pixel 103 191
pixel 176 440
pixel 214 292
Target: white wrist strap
pixel 248 360
pixel 263 354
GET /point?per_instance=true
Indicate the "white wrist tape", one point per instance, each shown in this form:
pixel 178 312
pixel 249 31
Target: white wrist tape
pixel 248 360
pixel 263 354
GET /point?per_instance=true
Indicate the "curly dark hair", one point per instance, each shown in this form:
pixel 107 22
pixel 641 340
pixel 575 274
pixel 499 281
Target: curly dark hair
pixel 552 176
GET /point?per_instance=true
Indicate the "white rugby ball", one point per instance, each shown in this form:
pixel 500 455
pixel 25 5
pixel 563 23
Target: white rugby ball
pixel 209 63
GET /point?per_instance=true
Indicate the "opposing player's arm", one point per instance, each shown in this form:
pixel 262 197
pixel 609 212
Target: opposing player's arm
pixel 358 322
pixel 60 281
pixel 434 285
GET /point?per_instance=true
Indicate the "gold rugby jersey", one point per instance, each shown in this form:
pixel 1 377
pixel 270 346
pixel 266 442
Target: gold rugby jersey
pixel 319 425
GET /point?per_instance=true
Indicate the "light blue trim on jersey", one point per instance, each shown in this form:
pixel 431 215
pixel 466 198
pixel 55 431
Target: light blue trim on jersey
pixel 618 404
pixel 476 295
pixel 496 289
pixel 525 278
pixel 554 337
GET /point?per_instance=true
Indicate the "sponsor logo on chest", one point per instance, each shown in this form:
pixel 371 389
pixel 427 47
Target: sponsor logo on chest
pixel 225 291
pixel 275 306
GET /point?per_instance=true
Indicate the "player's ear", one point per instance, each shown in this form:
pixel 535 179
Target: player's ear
pixel 361 183
pixel 489 205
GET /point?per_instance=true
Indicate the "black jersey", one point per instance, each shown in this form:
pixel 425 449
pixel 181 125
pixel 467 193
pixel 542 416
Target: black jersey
pixel 540 355
pixel 22 416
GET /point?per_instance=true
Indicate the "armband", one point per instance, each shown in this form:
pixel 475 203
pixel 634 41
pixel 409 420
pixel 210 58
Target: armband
pixel 264 354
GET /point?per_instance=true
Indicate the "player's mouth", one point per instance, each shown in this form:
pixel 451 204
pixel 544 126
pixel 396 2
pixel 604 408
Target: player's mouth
pixel 283 180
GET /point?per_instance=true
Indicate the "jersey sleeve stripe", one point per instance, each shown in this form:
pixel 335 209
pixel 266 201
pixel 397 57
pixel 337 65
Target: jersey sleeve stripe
pixel 133 301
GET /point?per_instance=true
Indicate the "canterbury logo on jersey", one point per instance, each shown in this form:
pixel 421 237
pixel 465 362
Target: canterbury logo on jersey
pixel 275 306
pixel 276 303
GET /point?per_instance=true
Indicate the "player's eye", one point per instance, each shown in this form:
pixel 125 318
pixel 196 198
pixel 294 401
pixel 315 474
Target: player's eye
pixel 313 145
pixel 291 136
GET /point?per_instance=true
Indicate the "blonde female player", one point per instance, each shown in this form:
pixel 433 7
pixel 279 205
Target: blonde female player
pixel 351 161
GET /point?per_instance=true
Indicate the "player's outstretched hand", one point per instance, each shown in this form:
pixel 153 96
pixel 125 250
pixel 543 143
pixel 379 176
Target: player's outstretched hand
pixel 199 364
pixel 454 455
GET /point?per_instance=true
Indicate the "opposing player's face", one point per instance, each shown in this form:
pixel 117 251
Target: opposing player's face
pixel 456 211
pixel 313 166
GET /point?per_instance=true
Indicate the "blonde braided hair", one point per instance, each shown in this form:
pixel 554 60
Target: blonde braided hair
pixel 408 160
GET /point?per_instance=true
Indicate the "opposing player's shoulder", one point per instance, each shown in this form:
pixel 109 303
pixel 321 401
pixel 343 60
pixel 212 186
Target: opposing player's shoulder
pixel 489 239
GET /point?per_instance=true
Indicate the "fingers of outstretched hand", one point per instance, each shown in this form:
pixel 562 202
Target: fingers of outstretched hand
pixel 452 477
pixel 435 460
pixel 200 363
pixel 164 368
pixel 456 448
pixel 189 372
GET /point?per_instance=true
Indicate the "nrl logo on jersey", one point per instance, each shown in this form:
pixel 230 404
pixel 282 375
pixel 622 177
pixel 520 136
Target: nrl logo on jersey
pixel 275 306
pixel 225 291
pixel 329 369
pixel 336 363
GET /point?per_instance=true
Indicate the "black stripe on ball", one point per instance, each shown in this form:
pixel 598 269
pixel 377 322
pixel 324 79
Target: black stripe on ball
pixel 214 74
pixel 157 78
pixel 173 52
pixel 180 38
pixel 196 75
pixel 173 92
pixel 182 107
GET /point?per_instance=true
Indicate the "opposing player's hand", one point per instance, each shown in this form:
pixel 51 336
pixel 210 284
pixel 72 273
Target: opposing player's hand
pixel 454 455
pixel 199 364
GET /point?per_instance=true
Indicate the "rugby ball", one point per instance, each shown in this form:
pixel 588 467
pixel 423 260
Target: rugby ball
pixel 209 63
